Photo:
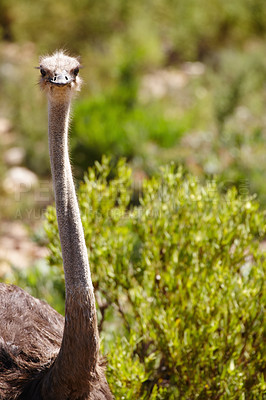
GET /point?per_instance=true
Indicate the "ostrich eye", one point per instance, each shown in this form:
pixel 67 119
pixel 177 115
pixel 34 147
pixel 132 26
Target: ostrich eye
pixel 42 72
pixel 76 71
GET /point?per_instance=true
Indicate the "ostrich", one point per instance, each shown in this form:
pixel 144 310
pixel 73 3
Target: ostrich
pixel 42 355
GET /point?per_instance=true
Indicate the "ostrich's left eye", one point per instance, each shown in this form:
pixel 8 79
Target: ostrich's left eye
pixel 42 71
pixel 76 71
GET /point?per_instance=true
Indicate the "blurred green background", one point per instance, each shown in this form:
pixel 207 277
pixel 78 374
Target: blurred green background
pixel 163 80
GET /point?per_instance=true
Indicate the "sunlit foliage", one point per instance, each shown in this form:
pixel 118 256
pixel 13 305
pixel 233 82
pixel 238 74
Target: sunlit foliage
pixel 179 281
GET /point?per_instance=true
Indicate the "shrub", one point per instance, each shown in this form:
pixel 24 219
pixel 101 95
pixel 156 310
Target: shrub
pixel 118 129
pixel 179 284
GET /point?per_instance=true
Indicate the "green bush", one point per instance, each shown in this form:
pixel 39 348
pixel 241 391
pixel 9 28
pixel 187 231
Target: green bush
pixel 179 284
pixel 108 125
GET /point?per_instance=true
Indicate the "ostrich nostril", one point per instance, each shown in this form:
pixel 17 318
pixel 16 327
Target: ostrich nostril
pixel 66 78
pixel 55 78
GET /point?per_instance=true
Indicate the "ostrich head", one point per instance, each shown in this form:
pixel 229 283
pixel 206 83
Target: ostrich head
pixel 59 75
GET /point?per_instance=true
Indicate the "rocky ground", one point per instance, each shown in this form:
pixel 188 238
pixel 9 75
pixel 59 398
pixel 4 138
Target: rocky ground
pixel 22 206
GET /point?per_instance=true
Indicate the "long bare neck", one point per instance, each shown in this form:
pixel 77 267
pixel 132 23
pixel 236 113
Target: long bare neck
pixel 77 360
pixel 74 252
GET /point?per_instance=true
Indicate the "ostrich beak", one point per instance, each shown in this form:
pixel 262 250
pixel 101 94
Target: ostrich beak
pixel 61 79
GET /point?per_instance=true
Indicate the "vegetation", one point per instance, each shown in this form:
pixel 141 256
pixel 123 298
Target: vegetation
pixel 210 119
pixel 177 261
pixel 179 281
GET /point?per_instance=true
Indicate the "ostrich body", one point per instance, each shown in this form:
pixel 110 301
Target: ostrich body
pixel 42 355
